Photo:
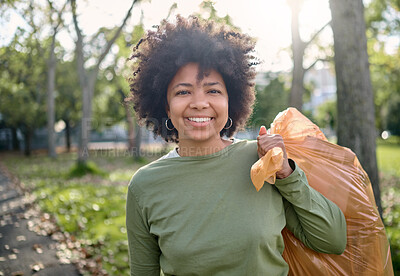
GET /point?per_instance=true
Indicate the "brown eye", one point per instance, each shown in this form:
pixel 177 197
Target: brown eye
pixel 182 92
pixel 214 91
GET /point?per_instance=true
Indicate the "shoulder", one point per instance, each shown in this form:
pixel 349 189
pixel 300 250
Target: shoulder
pixel 147 174
pixel 244 153
pixel 248 146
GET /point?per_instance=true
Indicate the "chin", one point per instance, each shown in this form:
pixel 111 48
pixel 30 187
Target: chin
pixel 201 137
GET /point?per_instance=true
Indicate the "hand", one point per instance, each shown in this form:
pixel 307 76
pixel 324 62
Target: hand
pixel 265 142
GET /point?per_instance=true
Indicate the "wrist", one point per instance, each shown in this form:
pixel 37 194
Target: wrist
pixel 287 169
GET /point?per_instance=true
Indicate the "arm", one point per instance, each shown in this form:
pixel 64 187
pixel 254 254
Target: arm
pixel 144 252
pixel 311 217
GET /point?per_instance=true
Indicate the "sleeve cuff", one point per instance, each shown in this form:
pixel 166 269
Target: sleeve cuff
pixel 293 176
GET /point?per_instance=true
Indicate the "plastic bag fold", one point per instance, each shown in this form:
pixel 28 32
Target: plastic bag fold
pixel 266 167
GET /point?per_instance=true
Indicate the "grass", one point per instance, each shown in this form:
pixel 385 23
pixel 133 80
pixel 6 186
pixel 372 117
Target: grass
pixel 388 157
pixel 92 207
pixel 80 169
pixel 87 202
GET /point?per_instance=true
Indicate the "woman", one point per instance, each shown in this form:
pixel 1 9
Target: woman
pixel 195 211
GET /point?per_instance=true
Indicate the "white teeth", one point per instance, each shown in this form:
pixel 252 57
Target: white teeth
pixel 199 120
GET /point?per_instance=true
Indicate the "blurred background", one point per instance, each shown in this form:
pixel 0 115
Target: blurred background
pixel 68 136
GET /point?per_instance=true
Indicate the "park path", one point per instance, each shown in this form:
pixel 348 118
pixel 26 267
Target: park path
pixel 22 251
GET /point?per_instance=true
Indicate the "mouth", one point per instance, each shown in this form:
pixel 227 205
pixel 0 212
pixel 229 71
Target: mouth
pixel 199 121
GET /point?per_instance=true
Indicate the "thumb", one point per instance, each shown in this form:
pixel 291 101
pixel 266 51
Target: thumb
pixel 263 130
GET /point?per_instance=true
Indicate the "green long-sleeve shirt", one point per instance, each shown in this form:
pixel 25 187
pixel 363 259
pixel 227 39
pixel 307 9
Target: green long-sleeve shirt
pixel 202 216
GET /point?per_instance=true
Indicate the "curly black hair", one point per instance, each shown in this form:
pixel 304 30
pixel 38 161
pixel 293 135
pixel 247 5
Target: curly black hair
pixel 158 56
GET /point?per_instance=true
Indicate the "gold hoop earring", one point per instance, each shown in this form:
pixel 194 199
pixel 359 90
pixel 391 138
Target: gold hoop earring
pixel 230 123
pixel 166 124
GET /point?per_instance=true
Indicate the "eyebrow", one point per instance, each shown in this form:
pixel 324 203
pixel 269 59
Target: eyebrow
pixel 212 83
pixel 190 85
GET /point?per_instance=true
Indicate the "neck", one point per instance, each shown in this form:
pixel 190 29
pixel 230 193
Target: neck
pixel 201 148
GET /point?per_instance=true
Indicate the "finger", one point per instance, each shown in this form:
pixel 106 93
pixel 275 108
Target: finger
pixel 267 142
pixel 263 130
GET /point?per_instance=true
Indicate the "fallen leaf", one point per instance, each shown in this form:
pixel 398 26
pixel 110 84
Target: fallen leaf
pixel 30 224
pixel 17 273
pixel 12 257
pixel 7 247
pixel 21 238
pixel 2 259
pixel 36 267
pixel 15 250
pixel 37 248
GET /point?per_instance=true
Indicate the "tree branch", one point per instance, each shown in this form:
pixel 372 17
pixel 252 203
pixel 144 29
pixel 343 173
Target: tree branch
pixel 79 45
pixel 59 16
pixel 317 33
pixel 117 33
pixel 315 62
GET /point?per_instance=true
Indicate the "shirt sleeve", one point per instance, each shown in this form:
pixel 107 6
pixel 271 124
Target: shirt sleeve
pixel 144 252
pixel 312 218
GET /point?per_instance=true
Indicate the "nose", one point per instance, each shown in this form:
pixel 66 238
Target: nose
pixel 199 100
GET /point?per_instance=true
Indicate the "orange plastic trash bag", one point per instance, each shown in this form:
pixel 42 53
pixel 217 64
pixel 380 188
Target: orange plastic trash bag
pixel 266 167
pixel 336 173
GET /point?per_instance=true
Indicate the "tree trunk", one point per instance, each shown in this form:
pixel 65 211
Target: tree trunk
pixel 28 140
pixel 85 126
pixel 68 135
pixel 14 137
pixel 355 103
pixel 87 80
pixel 129 122
pixel 138 142
pixel 131 128
pixel 51 74
pixel 298 47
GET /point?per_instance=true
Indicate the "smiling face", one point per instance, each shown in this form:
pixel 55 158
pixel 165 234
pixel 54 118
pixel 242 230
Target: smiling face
pixel 198 109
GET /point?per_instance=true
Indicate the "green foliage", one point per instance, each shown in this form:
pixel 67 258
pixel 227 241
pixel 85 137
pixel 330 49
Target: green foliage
pixel 208 12
pixel 388 157
pixel 112 87
pixel 68 98
pixel 391 216
pixel 81 169
pixel 94 213
pixel 270 100
pixel 91 208
pixel 385 69
pixel 383 22
pixel 326 115
pixel 23 82
pixel 382 16
pixel 374 13
pixel 393 118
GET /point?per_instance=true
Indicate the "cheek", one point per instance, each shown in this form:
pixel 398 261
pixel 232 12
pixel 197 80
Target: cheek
pixel 224 107
pixel 176 109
